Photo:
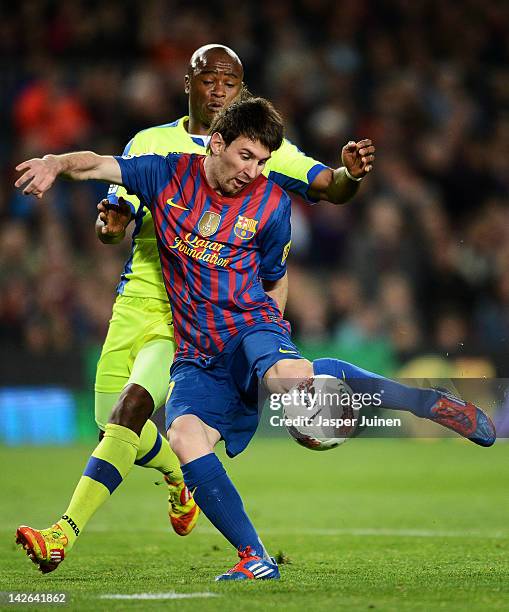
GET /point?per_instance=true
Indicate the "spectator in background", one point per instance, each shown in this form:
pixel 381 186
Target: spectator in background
pixel 433 214
pixel 49 116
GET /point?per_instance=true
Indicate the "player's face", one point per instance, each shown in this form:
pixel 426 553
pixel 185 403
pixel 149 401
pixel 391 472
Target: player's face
pixel 216 81
pixel 239 164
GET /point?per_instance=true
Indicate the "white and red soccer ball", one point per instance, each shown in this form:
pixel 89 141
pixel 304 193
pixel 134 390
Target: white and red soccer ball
pixel 321 414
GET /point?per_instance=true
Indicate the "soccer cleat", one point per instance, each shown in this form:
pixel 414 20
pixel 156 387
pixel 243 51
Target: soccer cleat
pixel 464 418
pixel 45 547
pixel 183 511
pixel 251 567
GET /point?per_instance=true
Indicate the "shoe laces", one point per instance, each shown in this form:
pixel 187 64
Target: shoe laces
pixel 247 552
pixel 174 498
pixel 451 412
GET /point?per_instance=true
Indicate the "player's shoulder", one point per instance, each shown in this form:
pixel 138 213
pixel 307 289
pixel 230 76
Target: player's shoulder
pixel 174 162
pixel 160 133
pixel 276 190
pixel 163 128
pixel 181 164
pixel 285 159
pixel 273 192
pixel 287 146
pixel 193 158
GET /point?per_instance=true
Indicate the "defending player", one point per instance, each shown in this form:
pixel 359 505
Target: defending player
pixel 223 233
pixel 132 374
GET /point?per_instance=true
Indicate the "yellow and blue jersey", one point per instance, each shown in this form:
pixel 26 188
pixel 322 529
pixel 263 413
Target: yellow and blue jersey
pixel 288 167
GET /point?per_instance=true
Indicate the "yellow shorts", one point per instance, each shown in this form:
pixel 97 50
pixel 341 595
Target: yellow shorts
pixel 139 348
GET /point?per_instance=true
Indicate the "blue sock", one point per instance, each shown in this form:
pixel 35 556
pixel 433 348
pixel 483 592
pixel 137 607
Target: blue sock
pixel 394 395
pixel 219 500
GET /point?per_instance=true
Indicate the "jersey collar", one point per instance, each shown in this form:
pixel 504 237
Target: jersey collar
pixel 200 140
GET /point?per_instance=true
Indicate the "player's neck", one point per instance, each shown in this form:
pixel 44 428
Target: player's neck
pixel 209 168
pixel 196 127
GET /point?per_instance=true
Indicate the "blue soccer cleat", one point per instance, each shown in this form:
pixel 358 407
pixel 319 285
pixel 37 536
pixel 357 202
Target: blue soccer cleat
pixel 464 418
pixel 251 567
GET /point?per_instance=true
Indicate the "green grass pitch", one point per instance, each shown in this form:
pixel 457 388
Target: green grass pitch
pixel 373 525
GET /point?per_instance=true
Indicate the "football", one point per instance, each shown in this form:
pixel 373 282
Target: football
pixel 321 414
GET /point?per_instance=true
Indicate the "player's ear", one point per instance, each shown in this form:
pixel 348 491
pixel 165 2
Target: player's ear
pixel 216 143
pixel 187 84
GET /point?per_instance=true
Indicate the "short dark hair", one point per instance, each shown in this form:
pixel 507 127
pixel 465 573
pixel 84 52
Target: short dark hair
pixel 254 118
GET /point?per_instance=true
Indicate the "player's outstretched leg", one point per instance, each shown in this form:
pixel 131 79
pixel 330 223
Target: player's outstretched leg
pixel 110 462
pixel 441 407
pixel 214 492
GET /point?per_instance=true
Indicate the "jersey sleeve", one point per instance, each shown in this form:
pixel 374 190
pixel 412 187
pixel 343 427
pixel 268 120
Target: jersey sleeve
pixel 276 241
pixel 145 175
pixel 293 171
pixel 133 147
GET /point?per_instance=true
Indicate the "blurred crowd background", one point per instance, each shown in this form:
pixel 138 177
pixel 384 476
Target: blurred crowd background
pixel 414 271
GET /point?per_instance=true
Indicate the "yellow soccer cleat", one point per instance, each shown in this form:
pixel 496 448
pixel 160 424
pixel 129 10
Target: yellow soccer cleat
pixel 183 511
pixel 45 547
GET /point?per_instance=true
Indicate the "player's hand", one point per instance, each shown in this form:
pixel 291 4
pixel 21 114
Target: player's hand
pixel 358 157
pixel 38 175
pixel 115 218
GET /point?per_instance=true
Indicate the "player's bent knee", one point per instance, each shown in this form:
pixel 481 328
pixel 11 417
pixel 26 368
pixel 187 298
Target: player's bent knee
pixel 284 374
pixel 134 407
pixel 188 438
pixel 185 427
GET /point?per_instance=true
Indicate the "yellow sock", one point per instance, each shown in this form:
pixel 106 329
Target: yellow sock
pixel 155 452
pixel 109 464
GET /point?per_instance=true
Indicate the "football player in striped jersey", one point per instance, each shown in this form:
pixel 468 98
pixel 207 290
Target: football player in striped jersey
pixel 132 373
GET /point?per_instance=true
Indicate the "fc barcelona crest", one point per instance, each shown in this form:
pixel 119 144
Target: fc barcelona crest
pixel 245 228
pixel 208 224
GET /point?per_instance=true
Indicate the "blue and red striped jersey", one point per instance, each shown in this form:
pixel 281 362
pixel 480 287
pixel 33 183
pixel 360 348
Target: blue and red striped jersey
pixel 214 250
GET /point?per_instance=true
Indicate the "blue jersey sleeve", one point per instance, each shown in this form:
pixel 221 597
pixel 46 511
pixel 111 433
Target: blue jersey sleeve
pixel 275 241
pixel 117 191
pixel 146 175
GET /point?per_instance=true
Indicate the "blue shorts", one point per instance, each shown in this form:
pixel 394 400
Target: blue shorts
pixel 224 394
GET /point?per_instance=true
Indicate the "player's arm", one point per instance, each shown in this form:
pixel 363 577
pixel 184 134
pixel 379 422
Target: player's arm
pixel 297 173
pixel 275 244
pixel 40 174
pixel 108 224
pixel 278 291
pixel 340 185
